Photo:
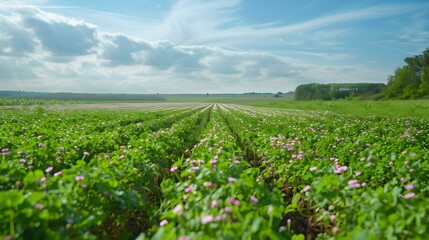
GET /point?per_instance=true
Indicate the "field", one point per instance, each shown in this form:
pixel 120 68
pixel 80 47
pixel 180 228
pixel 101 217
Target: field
pixel 215 171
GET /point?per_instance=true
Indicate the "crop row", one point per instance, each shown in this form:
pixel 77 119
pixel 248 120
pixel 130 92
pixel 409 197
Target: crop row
pixel 215 194
pixel 212 172
pixel 108 192
pixel 343 177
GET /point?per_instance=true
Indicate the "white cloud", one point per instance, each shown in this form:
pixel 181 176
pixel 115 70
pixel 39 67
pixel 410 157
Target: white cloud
pixel 120 49
pixel 27 28
pixel 11 69
pixel 43 51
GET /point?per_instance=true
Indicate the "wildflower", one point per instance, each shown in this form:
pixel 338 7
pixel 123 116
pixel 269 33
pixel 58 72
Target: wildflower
pixel 357 174
pixel 208 184
pixel 86 153
pixel 22 160
pixel 184 238
pixel 39 206
pixel 58 174
pixel 409 187
pixel 206 219
pixel 354 183
pixel 312 169
pixel 335 230
pixel 253 199
pixel 79 178
pixel 390 163
pixel 49 169
pixel 332 218
pixel 233 201
pixel 339 169
pixel 232 180
pixel 306 188
pixel 409 195
pixel 214 204
pixel 43 179
pixel 20 152
pixel 228 210
pixel 188 189
pixel 163 223
pixel 122 157
pixel 282 228
pixel 173 169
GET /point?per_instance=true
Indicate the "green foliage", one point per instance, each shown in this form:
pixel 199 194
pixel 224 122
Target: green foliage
pixel 212 171
pixel 412 80
pixel 314 91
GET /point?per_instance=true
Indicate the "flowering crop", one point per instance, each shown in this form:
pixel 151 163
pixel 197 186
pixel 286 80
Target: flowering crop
pixel 211 171
pixel 354 177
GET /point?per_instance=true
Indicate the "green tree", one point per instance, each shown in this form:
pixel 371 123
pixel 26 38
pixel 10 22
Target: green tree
pixel 411 80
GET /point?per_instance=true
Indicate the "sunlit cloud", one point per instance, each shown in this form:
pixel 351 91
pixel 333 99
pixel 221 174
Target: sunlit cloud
pixel 193 46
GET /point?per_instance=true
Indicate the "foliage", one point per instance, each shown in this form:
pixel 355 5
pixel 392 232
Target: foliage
pixel 314 91
pixel 211 171
pixel 411 80
pixel 359 108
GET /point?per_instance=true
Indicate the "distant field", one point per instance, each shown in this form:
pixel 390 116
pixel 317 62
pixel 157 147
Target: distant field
pixel 389 108
pixel 355 107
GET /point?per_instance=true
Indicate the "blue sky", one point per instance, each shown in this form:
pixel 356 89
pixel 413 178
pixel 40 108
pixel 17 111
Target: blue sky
pixel 199 46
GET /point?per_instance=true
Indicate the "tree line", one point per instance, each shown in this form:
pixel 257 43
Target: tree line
pixel 408 82
pixel 315 91
pixel 411 80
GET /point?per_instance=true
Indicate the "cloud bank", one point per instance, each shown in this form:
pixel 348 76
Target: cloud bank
pixel 42 51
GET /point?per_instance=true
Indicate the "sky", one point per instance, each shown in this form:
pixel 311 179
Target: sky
pixel 204 46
